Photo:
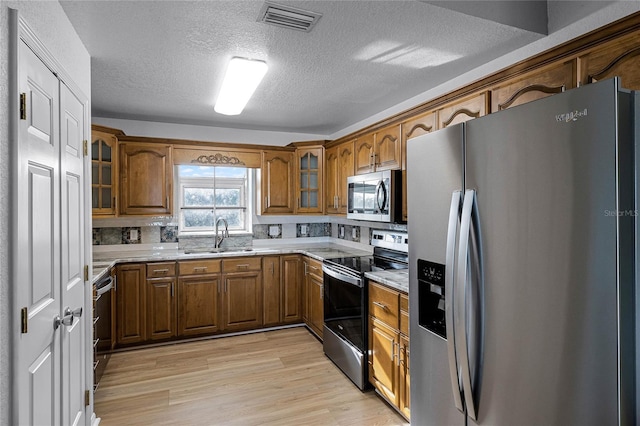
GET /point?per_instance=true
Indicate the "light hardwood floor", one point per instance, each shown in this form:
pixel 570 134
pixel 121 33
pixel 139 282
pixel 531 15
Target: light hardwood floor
pixel 272 378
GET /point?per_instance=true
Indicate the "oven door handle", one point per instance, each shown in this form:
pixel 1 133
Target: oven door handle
pixel 342 277
pixel 102 290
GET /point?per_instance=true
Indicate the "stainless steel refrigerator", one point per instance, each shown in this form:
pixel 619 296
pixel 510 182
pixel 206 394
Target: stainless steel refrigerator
pixel 521 276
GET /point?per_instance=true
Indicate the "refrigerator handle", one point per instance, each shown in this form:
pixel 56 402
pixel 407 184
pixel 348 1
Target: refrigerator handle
pixel 452 230
pixel 469 283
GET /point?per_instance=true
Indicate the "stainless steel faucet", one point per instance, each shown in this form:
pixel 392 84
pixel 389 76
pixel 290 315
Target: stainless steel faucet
pixel 225 233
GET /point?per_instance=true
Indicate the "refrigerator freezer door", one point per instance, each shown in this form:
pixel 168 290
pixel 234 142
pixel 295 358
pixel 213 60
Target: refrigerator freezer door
pixel 546 182
pixel 434 172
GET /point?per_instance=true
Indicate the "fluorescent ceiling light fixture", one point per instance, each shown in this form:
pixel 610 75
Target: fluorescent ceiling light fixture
pixel 240 81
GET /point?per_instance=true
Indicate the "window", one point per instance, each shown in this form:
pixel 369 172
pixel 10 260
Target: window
pixel 208 193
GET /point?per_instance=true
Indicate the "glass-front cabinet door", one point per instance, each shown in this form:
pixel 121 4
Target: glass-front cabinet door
pixel 104 173
pixel 310 180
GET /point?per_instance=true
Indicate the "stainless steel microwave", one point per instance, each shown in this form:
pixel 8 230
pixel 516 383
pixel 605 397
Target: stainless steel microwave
pixel 375 196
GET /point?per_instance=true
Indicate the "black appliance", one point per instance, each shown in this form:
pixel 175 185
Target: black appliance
pixel 345 301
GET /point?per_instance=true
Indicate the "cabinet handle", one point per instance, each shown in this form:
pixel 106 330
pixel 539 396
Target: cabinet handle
pixel 398 354
pixel 381 305
pixel 160 271
pixel 243 266
pixel 393 351
pixel 172 290
pixel 305 269
pixel 200 269
pixel 335 202
pixel 322 292
pixel 313 267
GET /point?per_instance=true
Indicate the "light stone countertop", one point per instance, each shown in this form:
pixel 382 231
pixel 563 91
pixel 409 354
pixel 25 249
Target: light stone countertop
pixel 394 278
pixel 103 261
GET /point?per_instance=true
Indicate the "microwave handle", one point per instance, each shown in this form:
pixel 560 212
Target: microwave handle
pixel 380 188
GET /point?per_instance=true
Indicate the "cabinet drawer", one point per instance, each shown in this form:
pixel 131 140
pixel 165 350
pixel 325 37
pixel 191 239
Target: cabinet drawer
pixel 199 267
pixel 404 314
pixel 384 304
pixel 404 302
pixel 161 269
pixel 313 266
pixel 404 323
pixel 242 264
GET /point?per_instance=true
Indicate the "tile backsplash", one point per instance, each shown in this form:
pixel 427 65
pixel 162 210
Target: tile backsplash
pixel 158 233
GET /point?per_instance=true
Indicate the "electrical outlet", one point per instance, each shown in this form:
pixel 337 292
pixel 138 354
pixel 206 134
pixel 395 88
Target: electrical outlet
pixel 303 229
pixel 133 234
pixel 354 233
pixel 274 230
pixel 341 231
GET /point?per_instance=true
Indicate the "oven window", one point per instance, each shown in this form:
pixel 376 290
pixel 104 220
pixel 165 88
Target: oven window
pixel 343 310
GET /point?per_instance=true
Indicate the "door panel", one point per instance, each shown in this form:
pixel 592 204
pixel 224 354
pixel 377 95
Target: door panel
pixel 430 188
pixel 74 351
pixel 37 231
pixel 544 188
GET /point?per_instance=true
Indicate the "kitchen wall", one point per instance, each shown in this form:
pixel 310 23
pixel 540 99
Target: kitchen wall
pixel 267 230
pixel 205 133
pixel 50 24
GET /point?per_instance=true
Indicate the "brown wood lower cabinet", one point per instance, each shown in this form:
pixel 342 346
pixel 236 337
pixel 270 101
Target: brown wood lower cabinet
pixel 314 288
pixel 168 300
pixel 242 301
pixel 161 308
pixel 198 310
pixel 389 345
pixel 291 266
pixel 130 304
pixel 271 291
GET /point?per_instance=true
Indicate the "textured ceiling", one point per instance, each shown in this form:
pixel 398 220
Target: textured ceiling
pixel 164 60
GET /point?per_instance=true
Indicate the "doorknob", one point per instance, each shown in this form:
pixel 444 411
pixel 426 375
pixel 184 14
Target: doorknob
pixel 68 317
pixel 75 313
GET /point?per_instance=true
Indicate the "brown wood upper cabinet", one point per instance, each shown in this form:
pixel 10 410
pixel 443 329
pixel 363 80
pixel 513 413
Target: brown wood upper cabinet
pixel 533 85
pixel 380 150
pixel 146 178
pixel 278 182
pixel 464 109
pixel 104 171
pixel 619 57
pixel 339 166
pixel 309 191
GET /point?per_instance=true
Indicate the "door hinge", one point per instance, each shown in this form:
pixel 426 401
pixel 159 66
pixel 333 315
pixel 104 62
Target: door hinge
pixel 24 319
pixel 87 397
pixel 23 106
pixel 86 272
pixel 85 144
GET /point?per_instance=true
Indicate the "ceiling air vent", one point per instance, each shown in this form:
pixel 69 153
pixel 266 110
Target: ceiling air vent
pixel 288 17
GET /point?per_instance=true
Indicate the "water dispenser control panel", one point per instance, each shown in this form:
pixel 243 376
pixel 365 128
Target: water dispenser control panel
pixel 431 296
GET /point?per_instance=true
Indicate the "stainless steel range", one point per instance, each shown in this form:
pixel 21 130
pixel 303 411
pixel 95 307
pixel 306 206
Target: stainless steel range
pixel 345 301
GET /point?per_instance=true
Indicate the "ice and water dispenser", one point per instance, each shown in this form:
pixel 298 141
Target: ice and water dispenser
pixel 431 297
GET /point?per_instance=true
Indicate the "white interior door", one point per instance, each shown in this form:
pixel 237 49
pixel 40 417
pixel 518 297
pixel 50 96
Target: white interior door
pixel 37 244
pixel 72 128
